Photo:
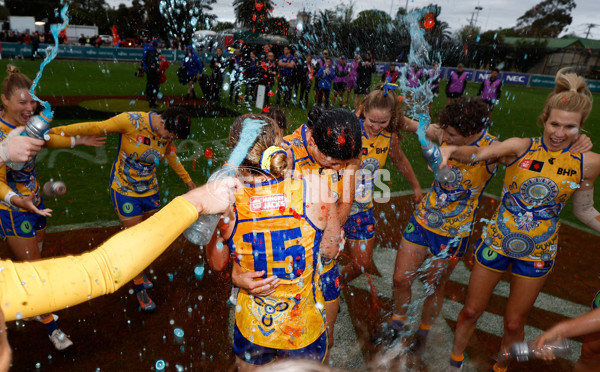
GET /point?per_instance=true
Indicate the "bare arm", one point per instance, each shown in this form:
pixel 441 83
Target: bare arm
pixel 504 152
pixel 401 162
pixel 582 325
pixel 322 211
pixel 344 203
pixel 583 198
pixel 433 132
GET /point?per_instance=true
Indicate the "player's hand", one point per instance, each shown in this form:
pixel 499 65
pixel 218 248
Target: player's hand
pixel 583 143
pixel 417 195
pixel 92 141
pixel 251 282
pixel 342 243
pixel 27 204
pixel 19 148
pixel 214 197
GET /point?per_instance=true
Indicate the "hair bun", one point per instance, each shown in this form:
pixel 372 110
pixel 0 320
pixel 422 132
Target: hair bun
pixel 265 157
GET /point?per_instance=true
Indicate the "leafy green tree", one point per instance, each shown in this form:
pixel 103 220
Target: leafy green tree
pixel 372 19
pixel 546 19
pixel 183 17
pixel 252 14
pixel 40 9
pixel 222 26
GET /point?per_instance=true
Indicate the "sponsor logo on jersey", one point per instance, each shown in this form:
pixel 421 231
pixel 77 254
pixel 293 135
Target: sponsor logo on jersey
pixel 267 202
pixel 532 165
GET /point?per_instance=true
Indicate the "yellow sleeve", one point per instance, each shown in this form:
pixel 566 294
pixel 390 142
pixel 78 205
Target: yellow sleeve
pixel 58 141
pixel 116 124
pixel 176 165
pixel 4 188
pixel 31 288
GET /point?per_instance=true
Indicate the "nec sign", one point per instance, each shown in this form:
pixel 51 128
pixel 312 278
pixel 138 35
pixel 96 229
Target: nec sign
pixel 482 75
pixel 512 78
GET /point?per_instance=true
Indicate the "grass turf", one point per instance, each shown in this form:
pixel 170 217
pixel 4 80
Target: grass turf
pixel 86 171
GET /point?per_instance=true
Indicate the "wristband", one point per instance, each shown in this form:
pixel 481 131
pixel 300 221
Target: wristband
pixel 8 196
pixel 72 142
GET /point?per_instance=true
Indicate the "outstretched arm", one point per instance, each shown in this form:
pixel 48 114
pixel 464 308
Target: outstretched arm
pixel 583 198
pixel 401 162
pixel 580 326
pixel 31 288
pixel 504 152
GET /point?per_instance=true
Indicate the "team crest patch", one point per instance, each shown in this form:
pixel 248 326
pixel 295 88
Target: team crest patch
pixel 532 165
pixel 267 203
pixel 538 190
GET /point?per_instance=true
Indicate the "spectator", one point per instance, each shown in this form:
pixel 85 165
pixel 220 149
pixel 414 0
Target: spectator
pixel 342 70
pixel 285 64
pixel 251 75
pixel 351 79
pixel 235 75
pixel 35 45
pixel 217 64
pixel 306 80
pixel 193 67
pixel 325 78
pixel 457 83
pixel 391 75
pixel 363 79
pixel 267 76
pixel 152 68
pixel 320 63
pixel 490 89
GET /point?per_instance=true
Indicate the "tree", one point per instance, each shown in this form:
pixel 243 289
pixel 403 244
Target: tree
pixel 372 19
pixel 546 19
pixel 252 14
pixel 222 26
pixel 180 18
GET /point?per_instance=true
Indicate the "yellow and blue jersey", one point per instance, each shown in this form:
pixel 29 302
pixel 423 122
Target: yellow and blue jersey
pixel 536 187
pixel 273 233
pixel 374 155
pixel 304 163
pixel 140 151
pixel 449 208
pixel 23 182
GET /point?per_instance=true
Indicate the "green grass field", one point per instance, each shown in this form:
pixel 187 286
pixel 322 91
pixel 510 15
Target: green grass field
pixel 86 171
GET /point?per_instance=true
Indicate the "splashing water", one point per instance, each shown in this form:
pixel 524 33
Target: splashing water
pixel 51 53
pixel 250 130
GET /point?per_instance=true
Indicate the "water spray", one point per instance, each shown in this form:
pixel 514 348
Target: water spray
pixel 201 231
pixel 419 98
pixel 38 125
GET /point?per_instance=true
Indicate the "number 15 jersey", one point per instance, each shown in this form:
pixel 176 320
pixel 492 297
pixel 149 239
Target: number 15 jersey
pixel 272 233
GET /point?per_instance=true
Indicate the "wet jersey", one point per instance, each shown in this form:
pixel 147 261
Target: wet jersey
pixel 140 150
pixel 536 187
pixel 449 208
pixel 272 233
pixel 374 154
pixel 304 163
pixel 23 182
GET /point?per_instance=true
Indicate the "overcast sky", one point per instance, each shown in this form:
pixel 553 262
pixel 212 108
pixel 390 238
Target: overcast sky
pixel 495 13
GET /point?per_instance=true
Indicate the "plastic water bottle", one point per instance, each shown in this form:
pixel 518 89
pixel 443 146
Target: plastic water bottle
pixel 433 156
pixel 201 231
pixel 36 127
pixel 522 352
pixel 55 188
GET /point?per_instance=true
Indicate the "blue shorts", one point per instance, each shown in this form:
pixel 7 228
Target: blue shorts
pixel 495 261
pixel 330 280
pixel 443 247
pixel 360 226
pixel 21 224
pixel 260 355
pixel 133 206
